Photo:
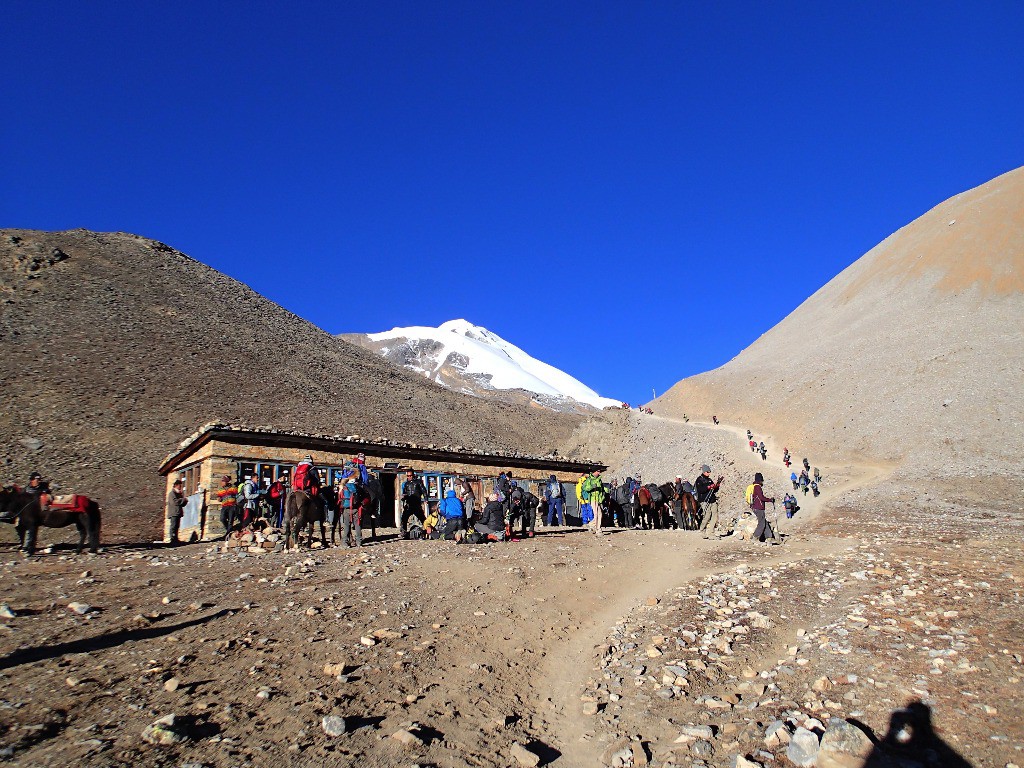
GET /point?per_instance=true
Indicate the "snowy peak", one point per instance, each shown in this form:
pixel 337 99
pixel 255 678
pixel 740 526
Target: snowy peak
pixel 472 359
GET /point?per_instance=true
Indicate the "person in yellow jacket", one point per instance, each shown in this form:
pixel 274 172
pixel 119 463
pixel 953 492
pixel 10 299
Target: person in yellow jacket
pixel 579 491
pixel 593 486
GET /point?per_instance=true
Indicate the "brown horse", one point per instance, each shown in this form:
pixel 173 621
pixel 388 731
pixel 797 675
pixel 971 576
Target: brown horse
pixel 690 512
pixel 303 509
pixel 25 507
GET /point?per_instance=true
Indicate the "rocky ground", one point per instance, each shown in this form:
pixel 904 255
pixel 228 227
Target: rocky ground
pixel 642 647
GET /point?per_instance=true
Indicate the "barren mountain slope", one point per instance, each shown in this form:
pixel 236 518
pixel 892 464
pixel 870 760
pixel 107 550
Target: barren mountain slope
pixel 913 354
pixel 116 347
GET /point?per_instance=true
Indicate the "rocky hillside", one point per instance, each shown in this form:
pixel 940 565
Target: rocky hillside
pixel 116 347
pixel 914 355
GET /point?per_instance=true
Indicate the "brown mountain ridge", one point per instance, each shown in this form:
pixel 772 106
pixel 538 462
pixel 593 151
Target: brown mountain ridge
pixel 116 347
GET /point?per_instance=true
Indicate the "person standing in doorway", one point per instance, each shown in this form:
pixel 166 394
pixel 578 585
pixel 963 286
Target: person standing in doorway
pixel 413 494
pixel 176 502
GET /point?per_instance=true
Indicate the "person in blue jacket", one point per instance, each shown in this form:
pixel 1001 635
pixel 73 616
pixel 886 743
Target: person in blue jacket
pixel 451 510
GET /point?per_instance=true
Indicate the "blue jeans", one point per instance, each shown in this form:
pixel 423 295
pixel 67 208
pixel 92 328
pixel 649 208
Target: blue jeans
pixel 556 506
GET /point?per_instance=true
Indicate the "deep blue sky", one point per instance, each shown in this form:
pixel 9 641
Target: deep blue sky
pixel 632 192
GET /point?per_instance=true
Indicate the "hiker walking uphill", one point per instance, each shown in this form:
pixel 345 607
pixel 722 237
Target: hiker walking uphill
pixel 594 492
pixel 707 499
pixel 763 451
pixel 757 502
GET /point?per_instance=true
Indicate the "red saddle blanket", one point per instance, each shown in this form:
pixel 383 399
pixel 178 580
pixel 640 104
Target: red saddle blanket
pixel 71 502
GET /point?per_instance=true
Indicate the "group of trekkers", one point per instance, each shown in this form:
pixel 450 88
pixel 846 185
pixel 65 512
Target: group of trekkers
pixel 508 511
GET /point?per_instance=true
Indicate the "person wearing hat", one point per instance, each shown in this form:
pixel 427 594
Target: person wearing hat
pixel 176 502
pixel 707 498
pixel 757 503
pixel 227 495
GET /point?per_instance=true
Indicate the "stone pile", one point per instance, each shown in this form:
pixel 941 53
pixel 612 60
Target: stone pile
pixel 257 542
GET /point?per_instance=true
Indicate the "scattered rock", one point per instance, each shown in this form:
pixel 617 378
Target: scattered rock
pixel 80 608
pixel 523 756
pixel 333 725
pixel 164 732
pixel 172 684
pixel 406 737
pixel 843 745
pixel 803 748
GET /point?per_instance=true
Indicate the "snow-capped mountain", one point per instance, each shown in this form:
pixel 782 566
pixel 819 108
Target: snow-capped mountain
pixel 468 358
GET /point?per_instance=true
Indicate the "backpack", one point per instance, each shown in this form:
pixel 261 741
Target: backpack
pixel 301 480
pixel 687 487
pixel 414 532
pixel 749 495
pixel 372 488
pixel 474 537
pixel 555 490
pixel 622 495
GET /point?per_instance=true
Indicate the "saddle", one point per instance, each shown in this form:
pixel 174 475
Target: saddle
pixel 70 502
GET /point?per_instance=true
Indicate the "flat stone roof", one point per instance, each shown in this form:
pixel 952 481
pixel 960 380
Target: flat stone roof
pixel 246 435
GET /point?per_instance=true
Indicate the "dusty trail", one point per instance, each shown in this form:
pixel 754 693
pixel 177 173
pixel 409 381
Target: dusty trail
pixel 624 588
pixel 569 666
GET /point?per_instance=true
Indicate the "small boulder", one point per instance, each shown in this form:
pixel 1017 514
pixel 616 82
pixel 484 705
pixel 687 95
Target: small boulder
pixel 333 725
pixel 164 732
pixel 523 756
pixel 803 748
pixel 843 745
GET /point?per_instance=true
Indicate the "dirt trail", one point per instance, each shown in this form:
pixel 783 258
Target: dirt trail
pixel 567 669
pixel 626 588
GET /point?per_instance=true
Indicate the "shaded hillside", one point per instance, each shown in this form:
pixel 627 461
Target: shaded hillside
pixel 913 354
pixel 116 347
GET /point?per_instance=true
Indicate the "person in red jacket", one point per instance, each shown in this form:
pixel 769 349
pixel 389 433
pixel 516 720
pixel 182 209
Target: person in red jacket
pixel 757 505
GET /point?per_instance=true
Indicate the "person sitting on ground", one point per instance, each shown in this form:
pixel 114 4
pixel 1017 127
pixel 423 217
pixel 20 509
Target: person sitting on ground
pixel 707 499
pixel 555 498
pixel 451 510
pixel 757 504
pixel 227 496
pixel 491 524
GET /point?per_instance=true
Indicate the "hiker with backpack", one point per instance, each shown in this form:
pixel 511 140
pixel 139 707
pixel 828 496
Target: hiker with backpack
pixel 763 451
pixel 306 478
pixel 594 491
pixel 795 480
pixel 814 489
pixel 554 495
pixel 707 500
pixel 757 502
pixel 817 475
pixel 247 500
pixel 413 494
pixel 354 502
